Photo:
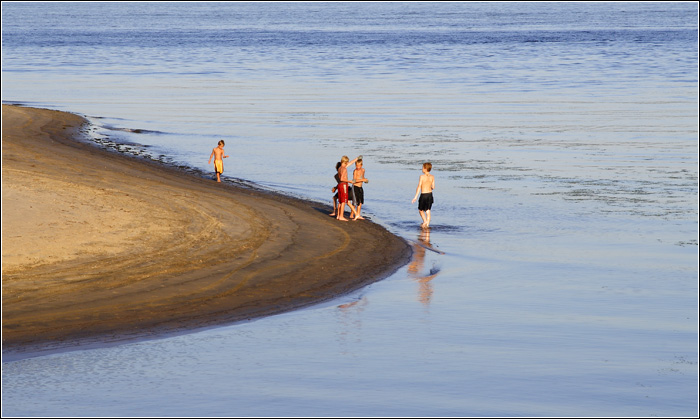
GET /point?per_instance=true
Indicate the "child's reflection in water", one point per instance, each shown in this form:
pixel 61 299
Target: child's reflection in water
pixel 417 268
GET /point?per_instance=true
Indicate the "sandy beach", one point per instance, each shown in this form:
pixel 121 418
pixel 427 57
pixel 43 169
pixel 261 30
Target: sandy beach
pixel 98 246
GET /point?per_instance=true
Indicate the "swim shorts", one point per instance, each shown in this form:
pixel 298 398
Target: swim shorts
pixel 359 195
pixel 219 166
pixel 343 193
pixel 425 202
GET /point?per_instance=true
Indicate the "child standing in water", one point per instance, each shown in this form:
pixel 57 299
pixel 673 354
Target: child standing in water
pixel 218 154
pixel 426 184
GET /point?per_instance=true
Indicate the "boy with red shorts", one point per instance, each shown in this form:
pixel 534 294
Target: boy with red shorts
pixel 343 187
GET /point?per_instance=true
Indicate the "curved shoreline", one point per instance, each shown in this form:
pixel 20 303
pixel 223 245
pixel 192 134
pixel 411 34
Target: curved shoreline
pixel 98 246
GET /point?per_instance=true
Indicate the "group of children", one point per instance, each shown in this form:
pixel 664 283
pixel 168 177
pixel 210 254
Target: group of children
pixel 424 191
pixel 351 190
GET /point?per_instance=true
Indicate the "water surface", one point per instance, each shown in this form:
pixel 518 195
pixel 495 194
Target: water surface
pixel 564 141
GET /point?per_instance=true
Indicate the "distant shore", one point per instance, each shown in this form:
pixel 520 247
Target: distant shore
pixel 99 247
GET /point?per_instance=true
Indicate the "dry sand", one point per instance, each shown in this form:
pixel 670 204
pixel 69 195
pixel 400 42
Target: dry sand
pixel 100 247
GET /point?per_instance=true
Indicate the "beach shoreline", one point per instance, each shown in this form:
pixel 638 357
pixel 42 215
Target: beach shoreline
pixel 98 246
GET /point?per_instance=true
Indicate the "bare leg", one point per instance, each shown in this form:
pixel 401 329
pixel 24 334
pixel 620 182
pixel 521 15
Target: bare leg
pixel 427 222
pixel 359 211
pixel 423 217
pixel 353 211
pixel 341 212
pixel 335 206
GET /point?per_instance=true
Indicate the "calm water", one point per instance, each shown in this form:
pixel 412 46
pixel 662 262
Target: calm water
pixel 564 141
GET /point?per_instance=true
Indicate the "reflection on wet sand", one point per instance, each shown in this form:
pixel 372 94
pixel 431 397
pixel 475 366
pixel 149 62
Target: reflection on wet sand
pixel 350 314
pixel 350 323
pixel 417 268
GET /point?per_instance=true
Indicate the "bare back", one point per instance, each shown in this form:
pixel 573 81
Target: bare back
pixel 426 183
pixel 218 153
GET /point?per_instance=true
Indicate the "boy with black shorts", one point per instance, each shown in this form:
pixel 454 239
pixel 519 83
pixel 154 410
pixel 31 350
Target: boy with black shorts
pixel 358 178
pixel 426 184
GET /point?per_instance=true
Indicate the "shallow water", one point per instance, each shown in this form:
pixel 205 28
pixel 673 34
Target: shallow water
pixel 564 142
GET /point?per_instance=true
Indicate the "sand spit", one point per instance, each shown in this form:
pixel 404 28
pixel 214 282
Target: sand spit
pixel 98 246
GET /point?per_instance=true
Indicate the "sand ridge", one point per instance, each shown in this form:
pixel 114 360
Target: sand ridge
pixel 97 245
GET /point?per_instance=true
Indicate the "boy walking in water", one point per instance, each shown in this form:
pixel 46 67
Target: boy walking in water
pixel 426 184
pixel 218 154
pixel 343 186
pixel 358 178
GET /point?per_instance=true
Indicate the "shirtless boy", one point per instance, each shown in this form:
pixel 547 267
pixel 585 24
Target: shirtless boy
pixel 218 154
pixel 343 187
pixel 426 184
pixel 358 178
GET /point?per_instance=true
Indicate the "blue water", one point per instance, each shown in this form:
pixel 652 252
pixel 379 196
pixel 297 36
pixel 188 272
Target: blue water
pixel 564 141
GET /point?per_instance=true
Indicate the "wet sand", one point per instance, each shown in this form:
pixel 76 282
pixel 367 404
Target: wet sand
pixel 100 247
